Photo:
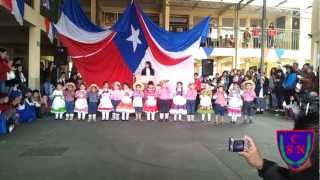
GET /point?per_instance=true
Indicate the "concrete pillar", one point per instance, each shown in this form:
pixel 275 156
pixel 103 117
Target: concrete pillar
pixel 288 32
pixel 191 22
pixel 94 11
pixel 34 58
pixel 315 31
pixel 166 14
pixel 219 26
pixel 161 17
pixel 34 52
pixel 36 5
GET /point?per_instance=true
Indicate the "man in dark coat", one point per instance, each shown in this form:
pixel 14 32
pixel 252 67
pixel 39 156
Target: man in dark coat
pixel 269 170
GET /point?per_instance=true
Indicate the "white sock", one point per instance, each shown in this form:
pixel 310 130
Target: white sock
pixel 161 115
pixel 79 116
pixel 117 116
pixel 60 115
pixel 188 118
pixel 180 117
pixel 192 117
pixel 127 116
pixel 71 117
pixel 94 117
pixel 209 117
pixel 203 116
pixel 166 115
pixel 174 117
pixel 89 117
pixel 56 116
pixel 123 116
pixel 67 117
pixel 103 116
pixel 148 116
pixel 107 115
pixel 83 116
pixel 153 116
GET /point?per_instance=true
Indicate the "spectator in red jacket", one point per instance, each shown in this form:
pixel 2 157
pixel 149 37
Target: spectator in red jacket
pixel 272 32
pixel 256 35
pixel 4 68
pixel 197 82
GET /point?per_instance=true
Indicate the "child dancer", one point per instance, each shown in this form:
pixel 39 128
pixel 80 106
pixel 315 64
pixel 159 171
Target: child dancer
pixel 261 90
pixel 150 104
pixel 58 104
pixel 125 107
pixel 205 107
pixel 137 100
pixel 115 99
pixel 235 102
pixel 69 95
pixel 36 99
pixel 220 102
pixel 81 104
pixel 191 102
pixel 179 103
pixel 26 110
pixel 248 96
pixel 93 99
pixel 164 96
pixel 105 106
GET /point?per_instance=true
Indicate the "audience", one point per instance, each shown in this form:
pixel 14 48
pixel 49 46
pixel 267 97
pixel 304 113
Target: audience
pixel 280 92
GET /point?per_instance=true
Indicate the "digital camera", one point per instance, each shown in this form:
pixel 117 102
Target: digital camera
pixel 236 145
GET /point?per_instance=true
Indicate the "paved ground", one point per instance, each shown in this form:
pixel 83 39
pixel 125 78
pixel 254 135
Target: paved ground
pixel 58 150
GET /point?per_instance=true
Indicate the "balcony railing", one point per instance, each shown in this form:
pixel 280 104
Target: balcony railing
pixel 279 38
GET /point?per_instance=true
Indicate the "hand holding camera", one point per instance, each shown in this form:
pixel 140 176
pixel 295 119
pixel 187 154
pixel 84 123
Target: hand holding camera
pixel 247 148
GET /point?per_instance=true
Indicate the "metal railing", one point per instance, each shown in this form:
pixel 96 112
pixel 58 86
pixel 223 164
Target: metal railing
pixel 281 38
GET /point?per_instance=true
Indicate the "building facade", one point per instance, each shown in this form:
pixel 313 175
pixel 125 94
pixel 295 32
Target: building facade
pixel 227 39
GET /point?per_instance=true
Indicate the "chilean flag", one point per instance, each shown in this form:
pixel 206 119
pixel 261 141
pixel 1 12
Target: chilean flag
pixel 49 29
pixel 16 7
pixel 117 54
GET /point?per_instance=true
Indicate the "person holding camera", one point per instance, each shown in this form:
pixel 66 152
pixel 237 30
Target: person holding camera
pixel 269 170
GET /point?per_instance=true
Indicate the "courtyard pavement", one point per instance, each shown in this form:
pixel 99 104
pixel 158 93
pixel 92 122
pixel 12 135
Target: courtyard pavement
pixel 114 150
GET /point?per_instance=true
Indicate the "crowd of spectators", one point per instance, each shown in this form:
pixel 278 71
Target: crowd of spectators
pixel 284 89
pixel 250 36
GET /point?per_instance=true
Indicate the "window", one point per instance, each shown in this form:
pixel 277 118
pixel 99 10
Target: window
pixel 179 23
pixel 242 23
pixel 227 22
pixel 256 22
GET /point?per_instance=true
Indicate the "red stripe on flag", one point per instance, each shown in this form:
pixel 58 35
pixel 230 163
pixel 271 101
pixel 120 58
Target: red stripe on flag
pixel 161 57
pixel 47 25
pixel 7 4
pixel 106 65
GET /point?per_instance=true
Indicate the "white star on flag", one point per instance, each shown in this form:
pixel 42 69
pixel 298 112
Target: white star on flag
pixel 134 38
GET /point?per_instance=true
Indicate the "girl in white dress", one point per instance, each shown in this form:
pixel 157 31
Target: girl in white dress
pixel 58 107
pixel 81 104
pixel 125 107
pixel 234 102
pixel 105 106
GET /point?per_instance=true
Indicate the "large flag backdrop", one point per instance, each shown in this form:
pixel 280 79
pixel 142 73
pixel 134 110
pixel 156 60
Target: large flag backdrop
pixel 16 7
pixel 118 53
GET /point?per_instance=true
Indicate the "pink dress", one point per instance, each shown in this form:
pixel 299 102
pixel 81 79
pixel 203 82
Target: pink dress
pixel 234 103
pixel 150 100
pixel 105 101
pixel 126 104
pixel 81 104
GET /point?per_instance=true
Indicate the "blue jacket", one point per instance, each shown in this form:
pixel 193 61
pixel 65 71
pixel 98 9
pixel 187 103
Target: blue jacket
pixel 290 81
